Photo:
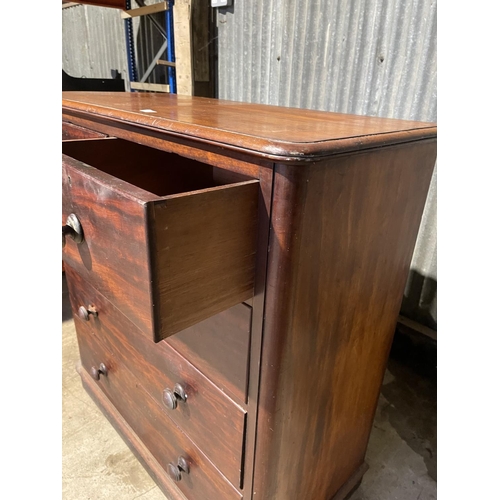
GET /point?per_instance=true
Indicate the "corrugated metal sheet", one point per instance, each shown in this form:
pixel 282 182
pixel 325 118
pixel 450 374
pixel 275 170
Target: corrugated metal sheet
pixel 370 57
pixel 374 57
pixel 93 43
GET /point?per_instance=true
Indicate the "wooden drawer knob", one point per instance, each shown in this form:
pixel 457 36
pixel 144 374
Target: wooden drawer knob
pixel 85 312
pixel 174 471
pixel 170 397
pixel 97 372
pixel 73 229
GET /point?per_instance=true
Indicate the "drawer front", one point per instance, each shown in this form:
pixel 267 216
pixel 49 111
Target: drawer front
pixel 166 442
pixel 71 132
pixel 167 377
pixel 189 249
pixel 113 255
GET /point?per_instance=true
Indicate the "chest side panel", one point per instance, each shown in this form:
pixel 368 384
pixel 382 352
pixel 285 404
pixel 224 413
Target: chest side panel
pixel 342 238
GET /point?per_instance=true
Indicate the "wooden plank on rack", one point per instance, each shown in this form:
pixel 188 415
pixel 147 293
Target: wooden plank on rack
pixel 144 11
pixel 166 63
pixel 406 324
pixel 202 49
pixel 183 47
pixel 151 87
pixel 201 40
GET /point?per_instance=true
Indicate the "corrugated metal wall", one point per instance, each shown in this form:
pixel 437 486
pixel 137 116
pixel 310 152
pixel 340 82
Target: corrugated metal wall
pixel 93 43
pixel 375 57
pixel 372 57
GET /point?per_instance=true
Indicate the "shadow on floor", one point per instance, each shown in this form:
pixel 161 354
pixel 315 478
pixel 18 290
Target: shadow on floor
pixel 412 395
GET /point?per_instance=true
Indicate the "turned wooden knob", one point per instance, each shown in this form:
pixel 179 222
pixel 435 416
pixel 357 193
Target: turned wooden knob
pixel 171 397
pixel 73 229
pixel 97 372
pixel 85 312
pixel 175 471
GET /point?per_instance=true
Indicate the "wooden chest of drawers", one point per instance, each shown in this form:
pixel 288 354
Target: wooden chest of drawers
pixel 235 274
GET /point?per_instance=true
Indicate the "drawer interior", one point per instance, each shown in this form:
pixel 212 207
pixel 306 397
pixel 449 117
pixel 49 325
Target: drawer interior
pixel 186 231
pixel 152 170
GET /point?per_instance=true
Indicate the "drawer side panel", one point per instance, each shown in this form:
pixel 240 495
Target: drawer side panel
pixel 205 254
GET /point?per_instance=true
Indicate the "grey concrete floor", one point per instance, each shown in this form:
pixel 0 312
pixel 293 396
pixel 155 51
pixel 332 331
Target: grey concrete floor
pixel 401 453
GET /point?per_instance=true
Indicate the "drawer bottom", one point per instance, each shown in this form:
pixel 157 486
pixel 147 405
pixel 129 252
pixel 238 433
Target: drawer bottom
pixel 137 447
pixel 147 460
pixel 199 487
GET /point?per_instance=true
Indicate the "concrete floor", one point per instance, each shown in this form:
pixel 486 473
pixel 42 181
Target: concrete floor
pixel 401 453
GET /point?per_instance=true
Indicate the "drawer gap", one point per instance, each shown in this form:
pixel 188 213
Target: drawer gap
pixel 157 172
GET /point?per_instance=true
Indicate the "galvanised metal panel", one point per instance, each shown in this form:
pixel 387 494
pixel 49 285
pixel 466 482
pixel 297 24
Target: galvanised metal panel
pixel 93 42
pixel 370 57
pixel 375 57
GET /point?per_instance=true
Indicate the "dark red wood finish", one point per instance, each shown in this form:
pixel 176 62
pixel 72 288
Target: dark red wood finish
pixel 114 255
pixel 158 367
pixel 344 233
pixel 274 132
pixel 166 442
pixel 340 201
pixel 74 132
pixel 142 453
pixel 220 348
pixel 149 169
pixel 164 238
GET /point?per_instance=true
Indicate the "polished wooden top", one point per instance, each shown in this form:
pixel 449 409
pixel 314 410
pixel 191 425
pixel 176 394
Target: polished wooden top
pixel 271 131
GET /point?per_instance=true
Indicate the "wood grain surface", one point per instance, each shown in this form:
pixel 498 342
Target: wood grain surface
pixel 164 440
pixel 71 132
pixel 275 132
pixel 190 251
pixel 203 254
pixel 352 484
pixel 139 449
pixel 341 246
pixel 114 254
pixel 329 224
pixel 266 179
pixel 152 170
pixel 211 154
pixel 158 367
pixel 220 347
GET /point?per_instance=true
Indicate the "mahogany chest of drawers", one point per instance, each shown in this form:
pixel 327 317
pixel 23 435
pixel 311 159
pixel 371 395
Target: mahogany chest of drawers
pixel 235 273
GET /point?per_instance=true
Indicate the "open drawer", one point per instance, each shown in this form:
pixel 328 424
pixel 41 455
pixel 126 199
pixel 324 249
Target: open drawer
pixel 169 241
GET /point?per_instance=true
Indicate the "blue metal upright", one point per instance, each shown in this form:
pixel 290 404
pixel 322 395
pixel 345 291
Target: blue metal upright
pixel 169 35
pixel 129 40
pixel 169 20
